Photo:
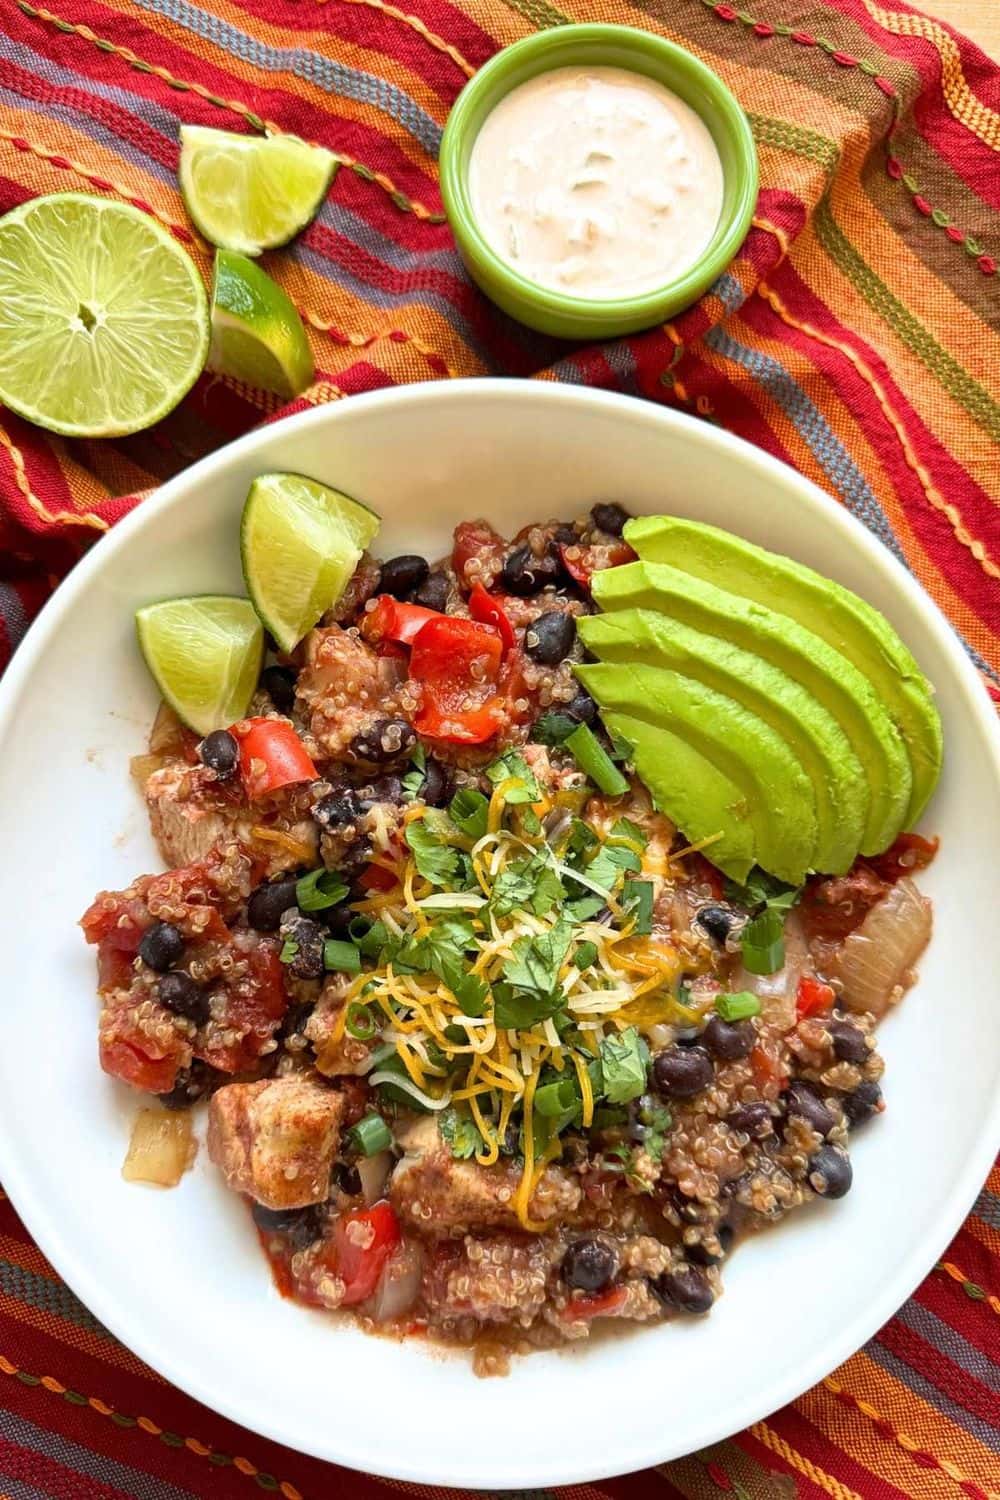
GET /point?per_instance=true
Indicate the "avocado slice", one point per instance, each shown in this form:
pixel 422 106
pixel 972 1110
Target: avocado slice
pixel 810 731
pixel 834 681
pixel 779 794
pixel 692 792
pixel 846 622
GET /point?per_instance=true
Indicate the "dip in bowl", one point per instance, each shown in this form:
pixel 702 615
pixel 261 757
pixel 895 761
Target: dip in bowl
pixel 597 179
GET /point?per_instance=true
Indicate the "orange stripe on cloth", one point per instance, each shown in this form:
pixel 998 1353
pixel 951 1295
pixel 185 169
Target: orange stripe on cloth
pixel 430 37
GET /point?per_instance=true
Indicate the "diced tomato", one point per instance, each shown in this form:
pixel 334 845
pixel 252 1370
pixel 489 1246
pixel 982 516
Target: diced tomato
pixel 833 906
pixel 252 1007
pixel 476 541
pixel 599 1305
pixel 271 756
pixel 907 855
pixel 457 664
pixel 127 1061
pixel 581 563
pixel 392 620
pixel 769 1073
pixel 376 878
pixel 363 1241
pixel 489 610
pixel 812 997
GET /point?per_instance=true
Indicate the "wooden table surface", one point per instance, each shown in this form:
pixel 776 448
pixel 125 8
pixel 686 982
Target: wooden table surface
pixel 979 19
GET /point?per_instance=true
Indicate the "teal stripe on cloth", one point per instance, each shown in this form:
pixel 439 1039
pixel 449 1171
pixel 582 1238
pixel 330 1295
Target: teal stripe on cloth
pixel 47 1296
pixel 84 1463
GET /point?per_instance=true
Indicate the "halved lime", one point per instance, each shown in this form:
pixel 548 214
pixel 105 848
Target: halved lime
pixel 251 192
pixel 103 316
pixel 257 334
pixel 300 543
pixel 205 654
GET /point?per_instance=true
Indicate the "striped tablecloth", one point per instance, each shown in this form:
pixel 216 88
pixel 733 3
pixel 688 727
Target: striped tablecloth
pixel 855 336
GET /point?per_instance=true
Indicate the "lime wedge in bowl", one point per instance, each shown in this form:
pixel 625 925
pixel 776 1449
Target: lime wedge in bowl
pixel 103 316
pixel 205 654
pixel 300 542
pixel 251 192
pixel 257 334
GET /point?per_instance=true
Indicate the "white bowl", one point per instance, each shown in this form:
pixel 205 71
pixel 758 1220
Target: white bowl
pixel 178 1275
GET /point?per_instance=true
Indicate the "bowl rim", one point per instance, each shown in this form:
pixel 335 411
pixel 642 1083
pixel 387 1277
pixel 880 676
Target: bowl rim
pixel 96 1288
pixel 503 73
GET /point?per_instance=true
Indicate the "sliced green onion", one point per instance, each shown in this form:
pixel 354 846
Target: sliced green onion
pixel 737 1007
pixel 456 1034
pixel 585 955
pixel 374 940
pixel 554 1099
pixel 344 958
pixel 320 889
pixel 370 1135
pixel 595 762
pixel 361 1023
pixel 763 943
pixel 638 902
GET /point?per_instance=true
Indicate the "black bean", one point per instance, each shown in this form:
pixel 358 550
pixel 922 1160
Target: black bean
pixel 384 740
pixel 279 685
pixel 717 921
pixel 753 1119
pixel 681 1072
pixel 800 1099
pixel 295 1018
pixel 865 1101
pixel 341 809
pixel 347 1178
pixel 179 993
pixel 433 592
pixel 338 920
pixel 525 574
pixel 220 752
pixel 299 1225
pixel 688 1210
pixel 269 903
pixel 162 946
pixel 435 789
pixel 830 1173
pixel 582 708
pixel 703 1257
pixel 302 950
pixel 849 1042
pixel 589 1265
pixel 401 575
pixel 190 1085
pixel 609 517
pixel 566 533
pixel 729 1040
pixel 549 639
pixel 388 788
pixel 685 1290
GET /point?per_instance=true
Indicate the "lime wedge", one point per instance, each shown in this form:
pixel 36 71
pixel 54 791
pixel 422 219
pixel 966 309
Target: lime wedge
pixel 257 335
pixel 251 192
pixel 103 317
pixel 300 543
pixel 205 654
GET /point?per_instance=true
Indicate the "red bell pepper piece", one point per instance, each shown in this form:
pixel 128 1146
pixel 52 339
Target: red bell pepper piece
pixel 457 664
pixel 271 756
pixel 363 1241
pixel 812 997
pixel 376 878
pixel 392 620
pixel 489 610
pixel 600 1304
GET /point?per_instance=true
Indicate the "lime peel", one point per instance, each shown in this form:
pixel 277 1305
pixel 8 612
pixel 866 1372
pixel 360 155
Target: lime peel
pixel 257 334
pixel 205 654
pixel 251 193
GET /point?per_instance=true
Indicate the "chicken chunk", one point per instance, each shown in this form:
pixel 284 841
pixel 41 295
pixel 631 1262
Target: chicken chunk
pixel 190 811
pixel 276 1139
pixel 441 1196
pixel 345 688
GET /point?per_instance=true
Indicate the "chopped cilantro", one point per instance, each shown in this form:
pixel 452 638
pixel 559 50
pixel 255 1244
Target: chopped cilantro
pixel 414 780
pixel 536 961
pixel 655 1121
pixel 582 839
pixel 531 823
pixel 762 892
pixel 585 955
pixel 443 953
pixel 624 828
pixel 513 888
pixel 637 896
pixel 552 729
pixel 289 951
pixel 468 812
pixel 582 909
pixel 320 889
pixel 624 1059
pixel 515 1009
pixel 513 766
pixel 610 863
pixel 435 861
pixel 460 1134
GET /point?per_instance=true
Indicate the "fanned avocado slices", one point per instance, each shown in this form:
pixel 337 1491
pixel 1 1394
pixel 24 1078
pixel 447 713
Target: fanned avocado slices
pixel 843 620
pixel 692 792
pixel 815 737
pixel 779 794
pixel 802 655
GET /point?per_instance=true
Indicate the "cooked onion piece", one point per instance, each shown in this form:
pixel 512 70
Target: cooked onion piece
pixel 161 1149
pixel 876 960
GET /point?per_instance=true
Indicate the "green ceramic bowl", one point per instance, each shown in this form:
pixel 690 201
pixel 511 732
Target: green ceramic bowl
pixel 609 46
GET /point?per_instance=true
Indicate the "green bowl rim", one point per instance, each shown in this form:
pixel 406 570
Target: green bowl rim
pixel 683 289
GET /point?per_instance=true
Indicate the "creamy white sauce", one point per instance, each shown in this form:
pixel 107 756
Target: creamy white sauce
pixel 596 182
